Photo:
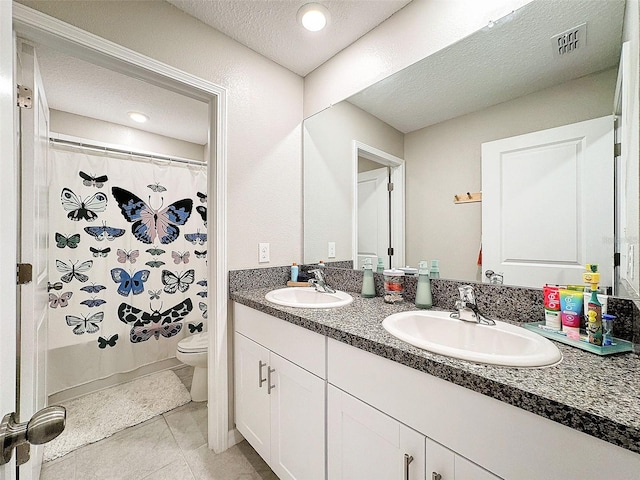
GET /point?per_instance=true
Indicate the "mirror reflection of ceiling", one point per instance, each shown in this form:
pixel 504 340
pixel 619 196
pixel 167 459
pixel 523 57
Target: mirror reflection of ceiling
pixel 513 58
pixel 82 88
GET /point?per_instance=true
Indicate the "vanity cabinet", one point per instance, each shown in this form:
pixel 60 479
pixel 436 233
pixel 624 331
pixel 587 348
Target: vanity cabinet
pixel 279 404
pixel 364 443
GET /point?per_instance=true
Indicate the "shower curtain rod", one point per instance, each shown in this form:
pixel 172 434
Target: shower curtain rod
pixel 98 148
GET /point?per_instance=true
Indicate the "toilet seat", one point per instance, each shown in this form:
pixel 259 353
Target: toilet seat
pixel 198 343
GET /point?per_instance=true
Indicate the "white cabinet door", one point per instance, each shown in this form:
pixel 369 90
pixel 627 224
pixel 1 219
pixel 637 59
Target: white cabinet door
pixel 466 470
pixel 444 464
pixel 251 400
pixel 297 421
pixel 365 444
pixel 440 461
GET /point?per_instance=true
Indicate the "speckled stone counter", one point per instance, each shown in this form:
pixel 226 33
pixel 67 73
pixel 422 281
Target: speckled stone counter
pixel 596 395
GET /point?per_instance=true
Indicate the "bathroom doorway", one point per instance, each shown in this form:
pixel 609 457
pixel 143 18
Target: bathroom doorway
pixel 41 29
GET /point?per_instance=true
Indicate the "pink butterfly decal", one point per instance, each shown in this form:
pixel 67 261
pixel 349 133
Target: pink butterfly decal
pixel 124 255
pixel 62 300
pixel 180 257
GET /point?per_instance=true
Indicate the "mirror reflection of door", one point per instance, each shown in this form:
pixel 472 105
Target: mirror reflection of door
pixel 374 212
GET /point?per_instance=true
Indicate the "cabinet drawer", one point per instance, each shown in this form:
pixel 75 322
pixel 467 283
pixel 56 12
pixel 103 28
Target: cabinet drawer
pixel 302 347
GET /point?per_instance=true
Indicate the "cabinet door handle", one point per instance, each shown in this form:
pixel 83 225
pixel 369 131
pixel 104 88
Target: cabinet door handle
pixel 436 476
pixel 407 460
pixel 261 380
pixel 269 386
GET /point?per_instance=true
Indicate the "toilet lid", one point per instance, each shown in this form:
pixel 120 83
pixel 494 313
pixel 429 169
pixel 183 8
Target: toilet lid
pixel 195 343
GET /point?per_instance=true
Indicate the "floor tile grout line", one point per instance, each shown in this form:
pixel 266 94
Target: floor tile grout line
pixel 184 459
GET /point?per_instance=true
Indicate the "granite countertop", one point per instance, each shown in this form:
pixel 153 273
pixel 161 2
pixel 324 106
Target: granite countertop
pixel 596 395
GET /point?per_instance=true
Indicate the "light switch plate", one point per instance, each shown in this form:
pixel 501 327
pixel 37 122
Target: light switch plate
pixel 263 252
pixel 331 253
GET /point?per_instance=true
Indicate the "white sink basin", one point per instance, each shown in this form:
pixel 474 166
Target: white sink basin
pixel 308 297
pixel 500 344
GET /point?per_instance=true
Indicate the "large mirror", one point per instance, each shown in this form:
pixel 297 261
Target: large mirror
pixel 505 80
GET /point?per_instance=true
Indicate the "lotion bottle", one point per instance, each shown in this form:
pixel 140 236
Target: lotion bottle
pixel 294 272
pixel 423 290
pixel 368 285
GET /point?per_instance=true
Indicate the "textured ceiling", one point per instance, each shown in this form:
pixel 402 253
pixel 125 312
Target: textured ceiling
pixel 494 65
pixel 79 87
pixel 270 27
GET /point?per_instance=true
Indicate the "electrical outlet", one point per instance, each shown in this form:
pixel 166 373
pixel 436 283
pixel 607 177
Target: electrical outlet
pixel 332 250
pixel 263 252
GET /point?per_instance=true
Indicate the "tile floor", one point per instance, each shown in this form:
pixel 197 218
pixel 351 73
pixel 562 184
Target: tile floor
pixel 170 446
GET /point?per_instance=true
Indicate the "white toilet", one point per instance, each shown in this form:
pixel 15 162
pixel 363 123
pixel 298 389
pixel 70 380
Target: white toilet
pixel 193 351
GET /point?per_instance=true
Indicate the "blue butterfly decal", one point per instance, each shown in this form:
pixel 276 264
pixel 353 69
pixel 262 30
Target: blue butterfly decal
pixel 104 342
pixel 149 223
pixel 202 283
pixel 93 288
pixel 202 294
pixel 129 283
pixel 94 302
pixel 104 232
pixel 196 238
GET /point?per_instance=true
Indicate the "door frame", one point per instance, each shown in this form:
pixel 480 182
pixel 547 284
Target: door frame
pixel 360 149
pixel 36 26
pixel 8 217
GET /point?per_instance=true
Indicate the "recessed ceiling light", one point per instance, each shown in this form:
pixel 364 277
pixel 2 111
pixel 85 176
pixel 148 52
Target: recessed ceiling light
pixel 313 16
pixel 138 117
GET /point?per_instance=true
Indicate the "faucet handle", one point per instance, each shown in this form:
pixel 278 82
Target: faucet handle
pixel 467 294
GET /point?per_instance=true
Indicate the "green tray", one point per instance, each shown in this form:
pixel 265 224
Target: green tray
pixel 618 346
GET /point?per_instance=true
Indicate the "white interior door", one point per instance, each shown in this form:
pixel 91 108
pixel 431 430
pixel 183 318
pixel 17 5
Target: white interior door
pixel 547 204
pixel 8 219
pixel 373 216
pixel 33 248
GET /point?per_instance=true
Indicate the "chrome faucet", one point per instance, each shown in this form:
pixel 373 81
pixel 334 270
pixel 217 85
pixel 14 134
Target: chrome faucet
pixel 494 278
pixel 467 309
pixel 319 282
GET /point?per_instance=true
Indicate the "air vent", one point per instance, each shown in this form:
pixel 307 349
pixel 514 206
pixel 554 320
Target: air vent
pixel 570 40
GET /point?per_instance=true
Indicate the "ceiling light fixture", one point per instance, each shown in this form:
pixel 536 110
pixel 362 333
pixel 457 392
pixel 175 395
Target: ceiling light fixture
pixel 313 16
pixel 138 117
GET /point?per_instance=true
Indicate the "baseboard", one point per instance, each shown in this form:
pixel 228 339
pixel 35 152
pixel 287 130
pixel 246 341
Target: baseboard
pixel 234 437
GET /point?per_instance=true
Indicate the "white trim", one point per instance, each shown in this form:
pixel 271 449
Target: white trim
pixel 235 437
pixel 42 28
pixel 397 199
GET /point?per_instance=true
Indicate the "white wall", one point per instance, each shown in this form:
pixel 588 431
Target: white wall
pixel 411 34
pixel 107 132
pixel 444 160
pixel 329 171
pixel 264 115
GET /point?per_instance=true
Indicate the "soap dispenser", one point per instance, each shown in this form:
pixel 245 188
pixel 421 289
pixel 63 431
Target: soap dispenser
pixel 435 269
pixel 380 267
pixel 423 290
pixel 368 285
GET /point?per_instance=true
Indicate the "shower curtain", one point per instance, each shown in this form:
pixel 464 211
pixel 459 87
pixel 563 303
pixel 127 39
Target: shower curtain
pixel 127 267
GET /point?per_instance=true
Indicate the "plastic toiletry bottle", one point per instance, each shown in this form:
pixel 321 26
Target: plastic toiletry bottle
pixel 368 286
pixel 607 329
pixel 594 312
pixel 435 269
pixel 294 272
pixel 423 290
pixel 380 266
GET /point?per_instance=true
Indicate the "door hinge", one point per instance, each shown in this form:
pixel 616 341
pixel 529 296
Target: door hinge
pixel 24 273
pixel 25 97
pixel 617 149
pixel 390 187
pixel 390 251
pixel 616 259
